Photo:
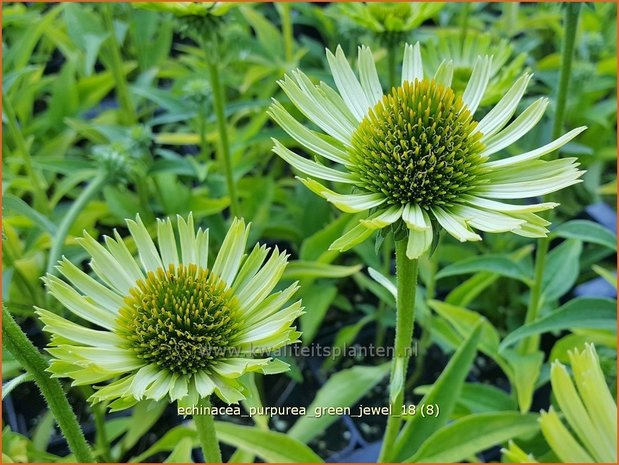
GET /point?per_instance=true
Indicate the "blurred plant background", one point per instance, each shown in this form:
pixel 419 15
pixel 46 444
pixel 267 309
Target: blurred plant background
pixel 110 110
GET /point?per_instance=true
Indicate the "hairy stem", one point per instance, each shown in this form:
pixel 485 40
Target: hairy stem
pixel 406 276
pixel 15 341
pixel 205 425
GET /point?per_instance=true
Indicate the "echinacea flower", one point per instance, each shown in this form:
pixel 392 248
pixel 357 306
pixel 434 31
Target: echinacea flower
pixel 449 45
pixel 416 157
pixel 588 407
pixel 170 324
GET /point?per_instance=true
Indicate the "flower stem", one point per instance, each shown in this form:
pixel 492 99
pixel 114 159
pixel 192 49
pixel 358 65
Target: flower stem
pixel 15 341
pixel 93 188
pixel 406 276
pixel 205 425
pixel 38 191
pixel 222 126
pixel 391 61
pixel 572 11
pixel 127 110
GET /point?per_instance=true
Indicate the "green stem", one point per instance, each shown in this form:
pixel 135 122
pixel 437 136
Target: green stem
pixel 406 276
pixel 222 126
pixel 203 142
pixel 93 188
pixel 127 110
pixel 287 30
pixel 381 330
pixel 205 426
pixel 572 11
pixel 38 190
pixel 103 444
pixel 15 341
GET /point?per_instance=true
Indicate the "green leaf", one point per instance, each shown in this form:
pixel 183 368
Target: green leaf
pixel 181 452
pixel 445 392
pixel 167 442
pixel 464 321
pixel 525 370
pixel 10 202
pixel 144 416
pixel 269 445
pixel 587 231
pixel 298 269
pixel 583 312
pixel 316 300
pixel 343 389
pixel 472 434
pixel 562 269
pixel 496 264
pixel 479 398
pixel 345 338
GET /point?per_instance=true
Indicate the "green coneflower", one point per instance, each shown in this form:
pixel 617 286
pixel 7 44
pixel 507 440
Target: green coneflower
pixel 416 157
pixel 170 324
pixel 450 45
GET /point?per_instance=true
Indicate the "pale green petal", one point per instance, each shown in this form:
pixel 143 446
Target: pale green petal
pixel 202 247
pixel 575 413
pixel 272 325
pixel 84 307
pixel 121 254
pixel 236 367
pixel 506 207
pixel 521 125
pixel 419 241
pixel 108 358
pixel 347 84
pixel 524 158
pixel 149 256
pixel 488 221
pixel 311 168
pixel 231 253
pixel 560 439
pixel 476 87
pixel 500 115
pixel 143 379
pixel 444 73
pixel 251 265
pixel 104 264
pixel 349 203
pixel 227 390
pixel 270 305
pixel 314 104
pixel 454 225
pixel 161 386
pixel 354 237
pixel 309 139
pixel 383 218
pixel 167 243
pixel 103 295
pixel 259 287
pixel 72 331
pixel 415 217
pixel 412 66
pixel 204 384
pixel 368 76
pixel 180 388
pixel 114 390
pixel 186 233
pixel 594 391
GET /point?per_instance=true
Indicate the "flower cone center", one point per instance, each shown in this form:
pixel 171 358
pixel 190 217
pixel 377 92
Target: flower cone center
pixel 417 146
pixel 181 319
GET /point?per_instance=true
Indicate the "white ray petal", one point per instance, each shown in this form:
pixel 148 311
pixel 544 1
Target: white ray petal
pixel 478 83
pixel 412 66
pixel 368 76
pixel 347 83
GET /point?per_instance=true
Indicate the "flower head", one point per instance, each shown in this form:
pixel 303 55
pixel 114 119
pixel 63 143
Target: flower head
pixel 416 157
pixel 449 46
pixel 170 324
